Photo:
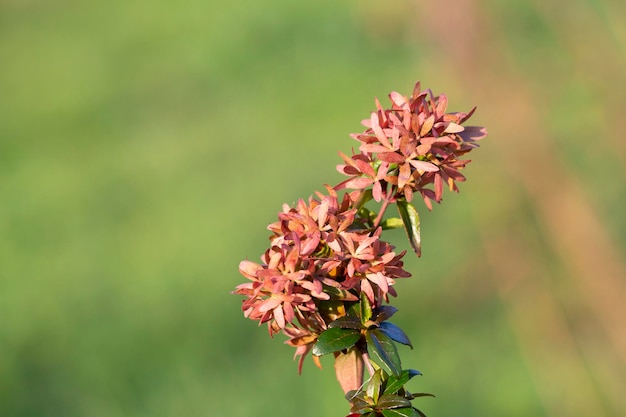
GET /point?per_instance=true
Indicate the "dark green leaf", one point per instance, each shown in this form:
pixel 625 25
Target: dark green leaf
pixel 394 384
pixel 419 413
pixel 384 313
pixel 360 407
pixel 335 339
pixel 395 333
pixel 402 412
pixel 393 401
pixel 392 223
pixel 347 322
pixel 383 352
pixel 411 221
pixel 421 394
pixel 366 309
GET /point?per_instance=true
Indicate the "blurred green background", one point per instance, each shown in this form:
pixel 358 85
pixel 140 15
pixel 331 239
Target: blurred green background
pixel 144 147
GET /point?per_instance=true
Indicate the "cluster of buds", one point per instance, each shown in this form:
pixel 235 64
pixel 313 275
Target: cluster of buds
pixel 327 274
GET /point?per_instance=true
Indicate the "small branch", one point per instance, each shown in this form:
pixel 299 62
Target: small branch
pixel 383 207
pixel 368 364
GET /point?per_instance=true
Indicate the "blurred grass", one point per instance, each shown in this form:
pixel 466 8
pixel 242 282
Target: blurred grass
pixel 145 146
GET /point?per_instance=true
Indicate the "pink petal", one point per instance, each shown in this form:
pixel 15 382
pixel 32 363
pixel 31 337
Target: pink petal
pixel 380 135
pixel 423 165
pixel 404 175
pixel 380 280
pixel 279 317
pixel 453 128
pixel 249 269
pixel 359 183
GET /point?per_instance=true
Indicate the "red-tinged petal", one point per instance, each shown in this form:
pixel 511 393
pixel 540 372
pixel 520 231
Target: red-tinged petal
pixel 403 175
pixel 427 125
pixel 365 168
pixel 249 269
pixel 322 213
pixel 377 191
pixel 279 317
pixel 288 312
pixel 391 157
pixel 373 147
pixel 438 187
pixel 379 107
pixel 366 287
pixel 347 170
pixel 408 194
pixel 464 116
pixel 269 304
pixel 472 133
pixel 427 197
pixel 407 145
pixel 380 280
pixel 423 165
pixel 359 183
pixel 416 91
pixel 442 104
pixel 380 135
pixel 398 100
pixel 310 244
pixel 453 128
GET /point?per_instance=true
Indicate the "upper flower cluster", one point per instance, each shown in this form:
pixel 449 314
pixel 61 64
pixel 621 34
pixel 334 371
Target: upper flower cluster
pixel 413 144
pixel 321 255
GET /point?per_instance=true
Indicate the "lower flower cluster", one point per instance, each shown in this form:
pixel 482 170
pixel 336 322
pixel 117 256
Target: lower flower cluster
pixel 321 255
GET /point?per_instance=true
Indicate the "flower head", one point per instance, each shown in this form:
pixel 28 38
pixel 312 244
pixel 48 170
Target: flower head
pixel 320 257
pixel 411 146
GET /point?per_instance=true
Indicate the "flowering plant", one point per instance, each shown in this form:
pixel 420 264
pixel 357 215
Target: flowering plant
pixel 326 277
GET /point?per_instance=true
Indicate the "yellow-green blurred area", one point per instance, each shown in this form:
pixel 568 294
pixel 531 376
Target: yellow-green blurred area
pixel 145 146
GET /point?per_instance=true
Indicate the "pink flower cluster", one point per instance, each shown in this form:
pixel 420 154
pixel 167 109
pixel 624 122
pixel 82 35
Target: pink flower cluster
pixel 321 255
pixel 411 146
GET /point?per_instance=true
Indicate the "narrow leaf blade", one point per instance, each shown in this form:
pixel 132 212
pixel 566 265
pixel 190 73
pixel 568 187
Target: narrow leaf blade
pixel 402 412
pixel 411 221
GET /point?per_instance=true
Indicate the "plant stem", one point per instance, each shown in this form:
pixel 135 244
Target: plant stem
pixel 383 207
pixel 368 364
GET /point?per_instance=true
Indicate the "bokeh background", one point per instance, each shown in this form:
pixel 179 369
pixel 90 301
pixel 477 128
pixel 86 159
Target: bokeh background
pixel 145 146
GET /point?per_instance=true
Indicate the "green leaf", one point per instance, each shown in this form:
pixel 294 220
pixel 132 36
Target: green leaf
pixel 395 383
pixel 383 352
pixel 402 412
pixel 384 313
pixel 411 221
pixel 392 223
pixel 335 339
pixel 347 322
pixel 421 394
pixel 372 388
pixel 393 401
pixel 395 333
pixel 366 309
